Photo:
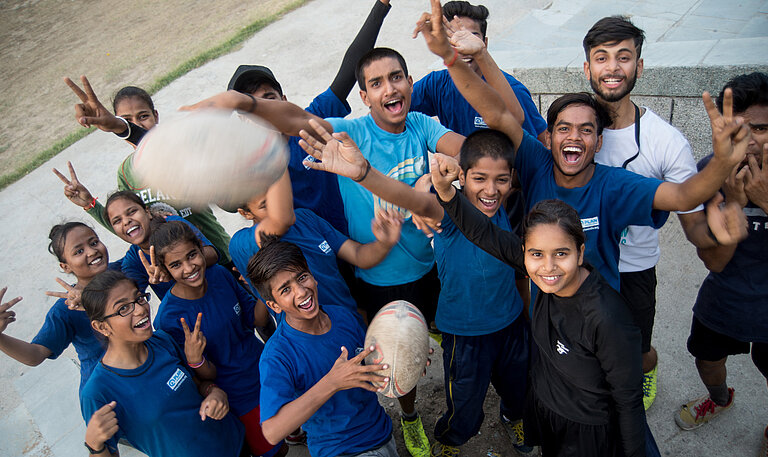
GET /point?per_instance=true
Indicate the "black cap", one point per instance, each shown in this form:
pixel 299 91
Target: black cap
pixel 250 74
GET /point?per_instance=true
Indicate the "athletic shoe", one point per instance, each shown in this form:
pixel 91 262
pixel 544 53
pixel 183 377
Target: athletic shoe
pixel 764 449
pixel 443 450
pixel 516 435
pixel 697 412
pixel 297 439
pixel 415 439
pixel 650 383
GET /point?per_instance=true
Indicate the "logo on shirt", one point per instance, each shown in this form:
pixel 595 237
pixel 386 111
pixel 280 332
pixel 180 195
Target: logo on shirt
pixel 480 123
pixel 590 223
pixel 308 158
pixel 177 379
pixel 561 349
pixel 325 247
pixel 237 308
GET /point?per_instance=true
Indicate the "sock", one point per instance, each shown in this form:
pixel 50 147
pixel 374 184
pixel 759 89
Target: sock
pixel 719 394
pixel 410 417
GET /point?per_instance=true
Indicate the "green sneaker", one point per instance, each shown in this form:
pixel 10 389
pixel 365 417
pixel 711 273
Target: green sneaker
pixel 698 412
pixel 443 450
pixel 650 384
pixel 516 435
pixel 415 439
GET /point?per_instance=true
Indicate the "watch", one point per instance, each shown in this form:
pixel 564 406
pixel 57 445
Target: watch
pixel 94 451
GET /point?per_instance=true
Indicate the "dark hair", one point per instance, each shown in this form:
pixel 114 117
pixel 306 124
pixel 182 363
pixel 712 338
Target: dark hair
pixel 273 257
pixel 372 56
pixel 132 91
pixel 555 212
pixel 486 143
pixel 477 13
pixel 252 85
pixel 58 236
pixel 602 116
pixel 166 235
pixel 748 90
pixel 613 29
pixel 96 293
pixel 122 195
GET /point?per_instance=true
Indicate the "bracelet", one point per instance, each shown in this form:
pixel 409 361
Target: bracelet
pixel 94 451
pixel 208 389
pixel 91 205
pixel 197 365
pixel 367 170
pixel 253 103
pixel 127 131
pixel 453 60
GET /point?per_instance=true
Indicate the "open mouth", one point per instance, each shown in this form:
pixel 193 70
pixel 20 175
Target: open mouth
pixel 488 203
pixel 307 304
pixel 468 60
pixel 394 106
pixel 133 231
pixel 612 82
pixel 193 277
pixel 97 261
pixel 550 280
pixel 572 154
pixel 142 324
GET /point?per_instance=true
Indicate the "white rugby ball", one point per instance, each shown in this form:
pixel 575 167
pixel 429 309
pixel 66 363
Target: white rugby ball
pixel 399 334
pixel 211 157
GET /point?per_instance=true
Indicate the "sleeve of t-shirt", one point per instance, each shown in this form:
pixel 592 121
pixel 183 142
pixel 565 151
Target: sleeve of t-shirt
pixel 432 129
pixel 334 238
pixel 168 324
pixel 277 386
pixel 246 300
pixel 634 194
pixel 134 269
pixel 531 155
pixel 88 406
pixel 56 334
pixel 328 104
pixel 421 98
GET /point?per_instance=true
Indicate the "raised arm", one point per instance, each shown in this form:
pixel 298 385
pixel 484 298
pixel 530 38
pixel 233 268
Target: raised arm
pixel 480 95
pixel 280 215
pixel 730 138
pixel 26 353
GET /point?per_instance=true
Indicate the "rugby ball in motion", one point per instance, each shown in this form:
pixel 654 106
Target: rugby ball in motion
pixel 211 157
pixel 399 335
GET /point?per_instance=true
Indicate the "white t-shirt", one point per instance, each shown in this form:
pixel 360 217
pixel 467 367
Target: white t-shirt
pixel 664 154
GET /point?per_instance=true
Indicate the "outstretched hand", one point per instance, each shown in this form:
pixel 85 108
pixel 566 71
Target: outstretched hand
pixel 727 222
pixel 350 373
pixel 90 112
pixel 194 341
pixel 156 273
pixel 71 296
pixel 730 136
pixel 445 170
pixel 337 153
pixel 431 28
pixel 74 190
pixel 386 226
pixel 6 317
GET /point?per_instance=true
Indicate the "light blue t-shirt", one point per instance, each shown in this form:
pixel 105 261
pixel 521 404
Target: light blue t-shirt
pixel 351 421
pixel 477 291
pixel 404 157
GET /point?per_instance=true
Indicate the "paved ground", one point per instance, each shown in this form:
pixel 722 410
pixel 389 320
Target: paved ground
pixel 39 414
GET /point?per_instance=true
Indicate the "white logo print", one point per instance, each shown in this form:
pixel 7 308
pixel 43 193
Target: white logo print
pixel 325 247
pixel 561 349
pixel 590 223
pixel 177 379
pixel 237 308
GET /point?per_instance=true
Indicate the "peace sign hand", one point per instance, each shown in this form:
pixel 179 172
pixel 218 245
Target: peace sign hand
pixel 6 317
pixel 730 136
pixel 156 273
pixel 194 341
pixel 73 189
pixel 71 296
pixel 91 112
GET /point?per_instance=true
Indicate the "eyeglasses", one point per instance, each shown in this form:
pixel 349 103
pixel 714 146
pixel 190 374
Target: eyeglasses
pixel 127 308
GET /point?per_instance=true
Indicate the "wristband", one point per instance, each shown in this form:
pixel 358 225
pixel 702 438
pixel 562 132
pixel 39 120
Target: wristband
pixel 94 451
pixel 367 169
pixel 91 205
pixel 125 134
pixel 453 60
pixel 197 365
pixel 253 103
pixel 208 389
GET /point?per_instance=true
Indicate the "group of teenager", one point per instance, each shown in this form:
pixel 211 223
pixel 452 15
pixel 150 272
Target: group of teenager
pixel 537 273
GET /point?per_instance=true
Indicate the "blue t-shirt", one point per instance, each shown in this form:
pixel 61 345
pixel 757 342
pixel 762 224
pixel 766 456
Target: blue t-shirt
pixel 351 421
pixel 63 326
pixel 613 199
pixel 437 95
pixel 228 328
pixel 158 406
pixel 734 302
pixel 402 156
pixel 317 190
pixel 318 241
pixel 477 291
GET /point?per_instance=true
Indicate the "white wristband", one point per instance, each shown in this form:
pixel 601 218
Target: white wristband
pixel 128 126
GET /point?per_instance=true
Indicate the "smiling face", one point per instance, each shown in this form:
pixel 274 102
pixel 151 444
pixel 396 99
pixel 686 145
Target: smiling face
pixel 84 254
pixel 134 327
pixel 388 93
pixel 487 183
pixel 134 109
pixel 472 26
pixel 130 221
pixel 613 69
pixel 295 294
pixel 553 259
pixel 574 142
pixel 186 264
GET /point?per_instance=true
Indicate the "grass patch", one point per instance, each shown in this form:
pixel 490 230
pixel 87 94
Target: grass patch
pixel 195 62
